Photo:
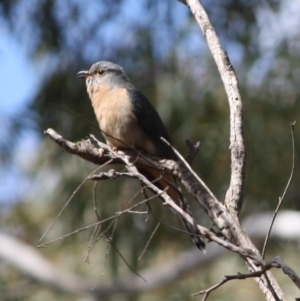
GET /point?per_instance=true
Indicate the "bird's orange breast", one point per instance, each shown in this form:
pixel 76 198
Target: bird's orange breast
pixel 115 115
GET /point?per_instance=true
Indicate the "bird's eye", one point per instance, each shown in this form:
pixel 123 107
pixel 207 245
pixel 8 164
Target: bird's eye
pixel 100 72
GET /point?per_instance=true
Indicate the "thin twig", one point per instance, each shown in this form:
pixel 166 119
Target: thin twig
pixel 91 242
pixel 97 235
pixel 227 278
pixel 97 228
pixel 138 212
pixel 110 175
pixel 148 242
pixel 147 204
pixel 109 240
pixel 106 253
pixel 120 254
pixel 105 261
pixel 285 190
pixel 257 262
pixel 68 202
pixel 168 225
pixel 118 214
pixel 95 200
pixel 188 167
pixel 74 114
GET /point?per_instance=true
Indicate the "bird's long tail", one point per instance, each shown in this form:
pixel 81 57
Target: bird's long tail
pixel 176 195
pixel 193 230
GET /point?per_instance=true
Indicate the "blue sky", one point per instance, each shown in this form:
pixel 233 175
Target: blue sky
pixel 18 83
pixel 17 75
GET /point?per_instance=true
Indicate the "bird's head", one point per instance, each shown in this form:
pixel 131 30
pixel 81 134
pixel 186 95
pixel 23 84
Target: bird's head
pixel 104 73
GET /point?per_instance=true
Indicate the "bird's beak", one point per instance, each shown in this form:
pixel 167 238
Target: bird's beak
pixel 83 74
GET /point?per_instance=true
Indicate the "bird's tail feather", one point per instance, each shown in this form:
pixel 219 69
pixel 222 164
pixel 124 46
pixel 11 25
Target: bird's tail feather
pixel 194 232
pixel 176 195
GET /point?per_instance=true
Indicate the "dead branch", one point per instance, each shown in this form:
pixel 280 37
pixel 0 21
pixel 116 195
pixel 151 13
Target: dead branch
pixel 235 193
pixel 225 217
pixel 208 201
pixel 238 276
pixel 285 190
pixel 16 253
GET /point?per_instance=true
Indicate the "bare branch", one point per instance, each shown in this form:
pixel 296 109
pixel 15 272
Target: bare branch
pixel 227 278
pixel 66 204
pixel 244 252
pixel 118 214
pixel 285 190
pixel 229 226
pixel 18 254
pixel 275 263
pixel 124 260
pixel 38 267
pixel 110 175
pixel 85 150
pixel 149 240
pixel 235 193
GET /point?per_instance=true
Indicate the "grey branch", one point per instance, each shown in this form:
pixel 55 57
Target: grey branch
pixel 235 193
pixel 198 189
pixel 285 190
pixel 29 260
pixel 110 175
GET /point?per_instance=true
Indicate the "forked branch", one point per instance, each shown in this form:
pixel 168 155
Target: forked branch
pixel 131 160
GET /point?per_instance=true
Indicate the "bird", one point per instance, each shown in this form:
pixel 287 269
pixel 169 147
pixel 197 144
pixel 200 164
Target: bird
pixel 127 119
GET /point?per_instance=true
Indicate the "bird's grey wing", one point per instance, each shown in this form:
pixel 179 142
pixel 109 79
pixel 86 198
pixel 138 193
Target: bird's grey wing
pixel 151 123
